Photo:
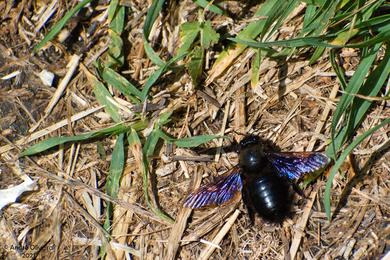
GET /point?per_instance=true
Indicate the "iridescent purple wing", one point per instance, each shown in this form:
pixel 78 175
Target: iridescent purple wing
pixel 219 192
pixel 294 165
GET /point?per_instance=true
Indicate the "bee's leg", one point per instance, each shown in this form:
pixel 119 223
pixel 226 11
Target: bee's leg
pixel 248 204
pixel 298 190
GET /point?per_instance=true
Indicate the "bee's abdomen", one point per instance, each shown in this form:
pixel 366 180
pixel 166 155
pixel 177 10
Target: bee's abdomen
pixel 270 196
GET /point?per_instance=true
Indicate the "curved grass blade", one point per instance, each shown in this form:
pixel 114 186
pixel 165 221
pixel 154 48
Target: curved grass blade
pixel 54 141
pixel 148 151
pixel 121 83
pixel 208 6
pixel 151 16
pixel 60 24
pixel 152 55
pixel 157 74
pixel 339 70
pixel 103 96
pixel 227 57
pixel 114 176
pixel 346 100
pixel 371 87
pixel 276 16
pixel 340 161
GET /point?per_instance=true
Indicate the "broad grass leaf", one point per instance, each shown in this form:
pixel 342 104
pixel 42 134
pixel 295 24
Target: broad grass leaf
pixel 189 31
pixel 208 36
pixel 195 66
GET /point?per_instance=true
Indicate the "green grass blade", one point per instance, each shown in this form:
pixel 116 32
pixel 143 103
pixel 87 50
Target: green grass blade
pixel 152 55
pixel 195 66
pixel 60 24
pixel 157 74
pixel 194 141
pixel 255 68
pixel 211 7
pixel 151 16
pixel 255 28
pixel 374 83
pixel 55 141
pixel 189 31
pixel 116 167
pixel 151 142
pixel 321 18
pixel 164 118
pixel 121 83
pixel 117 22
pixel 310 11
pixel 317 55
pixel 380 38
pixel 376 23
pixel 320 41
pixel 148 150
pixel 112 8
pixel 339 70
pixel 150 82
pixel 345 101
pixel 339 162
pixel 103 96
pixel 114 176
pixel 249 33
pixel 276 16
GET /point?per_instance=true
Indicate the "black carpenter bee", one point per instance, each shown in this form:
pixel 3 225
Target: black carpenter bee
pixel 263 178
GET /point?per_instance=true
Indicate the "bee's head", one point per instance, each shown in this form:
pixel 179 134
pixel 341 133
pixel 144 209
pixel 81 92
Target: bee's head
pixel 251 154
pixel 249 140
